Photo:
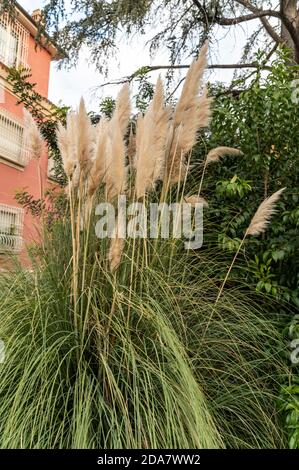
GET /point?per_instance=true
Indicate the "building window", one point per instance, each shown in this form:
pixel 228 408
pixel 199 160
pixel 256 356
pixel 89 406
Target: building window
pixel 11 229
pixel 14 40
pixel 11 138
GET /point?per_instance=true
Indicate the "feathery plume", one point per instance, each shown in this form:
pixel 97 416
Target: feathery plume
pixel 115 174
pixel 176 166
pixel 64 148
pixel 144 157
pixel 192 113
pixel 72 133
pixel 117 247
pixel 204 111
pixel 67 140
pixel 193 122
pixel 76 177
pixel 123 108
pixel 262 217
pixel 32 136
pixel 162 127
pixel 258 225
pixel 161 114
pixel 215 154
pixel 85 147
pixel 115 170
pixel 151 139
pixel 188 98
pixel 98 168
pixel 195 199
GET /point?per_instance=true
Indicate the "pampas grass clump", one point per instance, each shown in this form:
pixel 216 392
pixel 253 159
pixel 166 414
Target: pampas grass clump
pixel 120 344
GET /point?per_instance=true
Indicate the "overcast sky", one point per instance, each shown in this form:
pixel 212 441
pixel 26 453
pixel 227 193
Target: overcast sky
pixel 68 86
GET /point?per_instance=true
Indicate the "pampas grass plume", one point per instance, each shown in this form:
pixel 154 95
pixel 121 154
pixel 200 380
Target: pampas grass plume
pixel 192 113
pixel 258 225
pixel 63 145
pixel 115 175
pixel 151 142
pixel 261 218
pixel 215 154
pixel 32 136
pixel 117 247
pixel 195 199
pixel 85 145
pixel 123 108
pixel 98 168
pixel 191 86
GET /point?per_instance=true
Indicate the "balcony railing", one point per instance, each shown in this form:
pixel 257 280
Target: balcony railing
pixel 11 229
pixel 12 145
pixel 14 42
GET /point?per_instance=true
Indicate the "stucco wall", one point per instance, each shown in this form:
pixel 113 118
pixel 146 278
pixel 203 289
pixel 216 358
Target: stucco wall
pixel 29 177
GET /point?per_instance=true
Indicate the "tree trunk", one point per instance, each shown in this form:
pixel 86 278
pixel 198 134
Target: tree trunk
pixel 290 10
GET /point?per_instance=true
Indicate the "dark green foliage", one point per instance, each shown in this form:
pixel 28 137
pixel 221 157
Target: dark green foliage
pixel 289 397
pixel 8 6
pixel 263 121
pixel 107 106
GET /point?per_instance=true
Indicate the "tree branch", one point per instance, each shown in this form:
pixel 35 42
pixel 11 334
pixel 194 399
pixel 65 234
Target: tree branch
pixel 152 68
pixel 271 31
pixel 212 66
pixel 241 19
pixel 257 13
pixel 197 3
pixel 287 23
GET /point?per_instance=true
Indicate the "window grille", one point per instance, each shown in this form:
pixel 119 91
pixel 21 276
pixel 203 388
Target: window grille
pixel 11 229
pixel 12 145
pixel 14 42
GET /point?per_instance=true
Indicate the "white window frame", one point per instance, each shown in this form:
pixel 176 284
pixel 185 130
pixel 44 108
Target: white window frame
pixel 14 31
pixel 11 234
pixel 12 144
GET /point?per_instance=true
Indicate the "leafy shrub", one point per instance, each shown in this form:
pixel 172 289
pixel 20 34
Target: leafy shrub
pixel 263 121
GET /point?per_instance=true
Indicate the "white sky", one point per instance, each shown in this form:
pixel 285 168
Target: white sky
pixel 68 86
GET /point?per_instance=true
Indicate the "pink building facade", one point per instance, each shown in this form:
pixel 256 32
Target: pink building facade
pixel 17 171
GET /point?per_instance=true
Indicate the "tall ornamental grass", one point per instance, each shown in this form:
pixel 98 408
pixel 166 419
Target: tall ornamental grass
pixel 133 343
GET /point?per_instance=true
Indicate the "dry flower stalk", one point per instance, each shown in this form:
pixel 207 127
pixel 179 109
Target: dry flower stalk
pixel 151 142
pixel 117 246
pixel 32 136
pixel 195 199
pixel 215 154
pixel 261 218
pixel 123 108
pixel 85 146
pixel 191 114
pixel 115 174
pixel 258 225
pixel 98 168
